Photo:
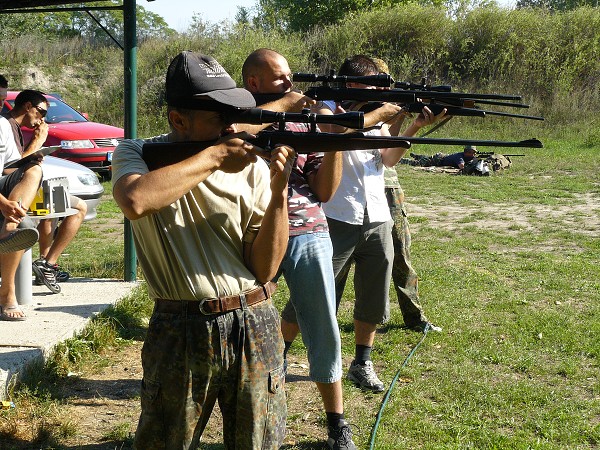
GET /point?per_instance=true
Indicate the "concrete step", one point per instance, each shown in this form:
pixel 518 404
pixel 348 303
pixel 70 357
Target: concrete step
pixel 51 319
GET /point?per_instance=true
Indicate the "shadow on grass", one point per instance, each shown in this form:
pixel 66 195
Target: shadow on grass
pixel 83 389
pixel 45 440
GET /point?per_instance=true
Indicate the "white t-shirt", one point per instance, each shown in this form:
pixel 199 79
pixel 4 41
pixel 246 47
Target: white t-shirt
pixel 8 148
pixel 362 186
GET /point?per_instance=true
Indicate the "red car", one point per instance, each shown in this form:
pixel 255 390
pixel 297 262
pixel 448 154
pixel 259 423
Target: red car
pixel 88 143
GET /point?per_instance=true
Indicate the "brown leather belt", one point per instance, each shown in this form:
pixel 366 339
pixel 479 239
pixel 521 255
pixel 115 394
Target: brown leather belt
pixel 217 305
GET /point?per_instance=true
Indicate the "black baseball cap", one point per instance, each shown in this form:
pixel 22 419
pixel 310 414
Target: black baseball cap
pixel 193 77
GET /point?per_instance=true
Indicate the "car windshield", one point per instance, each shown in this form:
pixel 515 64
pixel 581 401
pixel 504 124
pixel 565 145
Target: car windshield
pixel 59 112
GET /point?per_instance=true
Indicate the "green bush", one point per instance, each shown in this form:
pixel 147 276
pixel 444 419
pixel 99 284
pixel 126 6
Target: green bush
pixel 552 57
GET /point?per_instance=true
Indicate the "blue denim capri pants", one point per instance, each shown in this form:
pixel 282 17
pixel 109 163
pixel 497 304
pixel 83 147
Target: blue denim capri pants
pixel 308 272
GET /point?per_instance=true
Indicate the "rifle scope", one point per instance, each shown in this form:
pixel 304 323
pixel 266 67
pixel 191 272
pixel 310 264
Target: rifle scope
pixel 407 85
pixel 383 80
pixel 353 119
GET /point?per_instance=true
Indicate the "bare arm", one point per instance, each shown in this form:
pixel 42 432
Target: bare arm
pixel 392 156
pixel 290 102
pixel 425 117
pixel 40 133
pixel 325 181
pixel 266 252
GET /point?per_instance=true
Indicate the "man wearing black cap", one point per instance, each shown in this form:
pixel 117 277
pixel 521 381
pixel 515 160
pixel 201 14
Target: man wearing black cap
pixel 210 233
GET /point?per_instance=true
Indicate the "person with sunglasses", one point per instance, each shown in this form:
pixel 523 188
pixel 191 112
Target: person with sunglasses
pixel 29 111
pixel 18 188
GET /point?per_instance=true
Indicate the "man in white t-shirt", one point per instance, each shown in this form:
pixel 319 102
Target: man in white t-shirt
pixel 360 226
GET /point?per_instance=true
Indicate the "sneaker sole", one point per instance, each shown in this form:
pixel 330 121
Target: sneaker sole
pixel 358 384
pixel 55 288
pixel 20 239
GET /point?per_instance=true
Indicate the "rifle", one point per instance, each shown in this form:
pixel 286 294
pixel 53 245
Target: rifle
pixel 381 80
pixel 456 103
pixel 436 98
pixel 161 154
pixel 487 154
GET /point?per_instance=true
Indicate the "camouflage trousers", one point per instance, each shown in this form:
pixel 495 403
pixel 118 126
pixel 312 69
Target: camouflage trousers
pixel 192 361
pixel 404 277
pixel 424 160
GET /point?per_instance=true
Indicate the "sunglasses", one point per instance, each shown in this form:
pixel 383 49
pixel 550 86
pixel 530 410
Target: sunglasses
pixel 42 111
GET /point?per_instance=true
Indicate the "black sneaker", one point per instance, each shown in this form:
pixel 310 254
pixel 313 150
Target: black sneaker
pixel 62 275
pixel 340 438
pixel 46 274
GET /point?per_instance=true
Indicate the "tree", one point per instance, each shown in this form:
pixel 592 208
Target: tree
pixel 243 15
pixel 80 24
pixel 556 5
pixel 302 15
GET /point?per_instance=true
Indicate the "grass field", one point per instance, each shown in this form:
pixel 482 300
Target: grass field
pixel 508 266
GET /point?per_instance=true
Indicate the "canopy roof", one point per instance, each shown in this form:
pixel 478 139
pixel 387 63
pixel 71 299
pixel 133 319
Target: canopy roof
pixel 130 69
pixel 24 4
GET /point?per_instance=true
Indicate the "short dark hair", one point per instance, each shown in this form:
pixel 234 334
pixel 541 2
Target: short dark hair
pixel 3 81
pixel 357 66
pixel 29 95
pixel 256 61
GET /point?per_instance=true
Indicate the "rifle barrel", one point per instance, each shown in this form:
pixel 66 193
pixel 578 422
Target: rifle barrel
pixel 161 154
pixel 493 102
pixel 436 108
pixel 519 116
pixel 396 95
pixel 407 85
pixel 485 154
pixel 352 119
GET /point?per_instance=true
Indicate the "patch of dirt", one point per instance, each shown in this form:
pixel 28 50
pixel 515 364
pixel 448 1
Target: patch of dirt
pixel 582 216
pixel 105 405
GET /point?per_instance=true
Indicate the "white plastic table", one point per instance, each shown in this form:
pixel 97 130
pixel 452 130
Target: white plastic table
pixel 24 275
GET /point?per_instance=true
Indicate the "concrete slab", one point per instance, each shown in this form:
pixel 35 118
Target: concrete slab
pixel 52 318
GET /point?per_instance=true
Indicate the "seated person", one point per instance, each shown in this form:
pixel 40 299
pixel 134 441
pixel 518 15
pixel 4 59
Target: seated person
pixel 17 190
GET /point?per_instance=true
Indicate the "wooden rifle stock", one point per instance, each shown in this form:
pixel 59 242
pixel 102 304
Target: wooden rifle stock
pixel 162 154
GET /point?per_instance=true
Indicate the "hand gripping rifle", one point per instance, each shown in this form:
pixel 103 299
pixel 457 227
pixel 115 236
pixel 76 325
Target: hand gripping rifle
pixel 161 154
pixel 413 100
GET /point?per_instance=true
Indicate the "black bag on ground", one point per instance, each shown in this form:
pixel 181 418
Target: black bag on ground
pixel 476 167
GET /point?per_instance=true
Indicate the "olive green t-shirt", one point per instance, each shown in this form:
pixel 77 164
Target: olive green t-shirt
pixel 193 248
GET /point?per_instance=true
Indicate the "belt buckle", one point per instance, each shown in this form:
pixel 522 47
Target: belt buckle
pixel 201 307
